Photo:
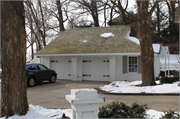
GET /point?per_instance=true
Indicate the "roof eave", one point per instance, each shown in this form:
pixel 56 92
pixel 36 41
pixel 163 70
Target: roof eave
pixel 89 54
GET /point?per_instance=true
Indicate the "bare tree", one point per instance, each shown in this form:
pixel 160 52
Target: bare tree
pixel 34 16
pixel 171 8
pixel 147 54
pixel 13 39
pixel 72 22
pixel 40 23
pixel 122 9
pixel 90 6
pixel 43 33
pixel 60 14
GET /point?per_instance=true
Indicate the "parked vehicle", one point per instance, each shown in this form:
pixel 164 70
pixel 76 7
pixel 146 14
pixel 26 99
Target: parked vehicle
pixel 37 73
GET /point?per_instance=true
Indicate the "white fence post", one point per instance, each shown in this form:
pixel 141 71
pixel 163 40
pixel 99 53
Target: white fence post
pixel 84 103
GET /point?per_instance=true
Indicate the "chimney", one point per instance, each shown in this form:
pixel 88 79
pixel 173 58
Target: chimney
pixel 134 26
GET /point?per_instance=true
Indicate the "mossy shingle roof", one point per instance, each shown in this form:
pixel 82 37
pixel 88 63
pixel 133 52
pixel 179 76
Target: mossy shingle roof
pixel 88 40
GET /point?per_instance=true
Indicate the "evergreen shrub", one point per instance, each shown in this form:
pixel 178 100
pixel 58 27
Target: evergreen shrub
pixel 169 79
pixel 119 109
pixel 171 114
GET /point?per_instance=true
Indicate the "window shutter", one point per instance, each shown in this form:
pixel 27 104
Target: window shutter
pixel 124 64
pixel 139 64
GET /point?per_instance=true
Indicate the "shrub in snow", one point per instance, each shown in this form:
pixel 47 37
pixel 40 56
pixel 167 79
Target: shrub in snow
pixel 121 110
pixel 171 114
pixel 169 79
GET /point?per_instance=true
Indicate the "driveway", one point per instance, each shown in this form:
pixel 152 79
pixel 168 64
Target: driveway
pixel 52 95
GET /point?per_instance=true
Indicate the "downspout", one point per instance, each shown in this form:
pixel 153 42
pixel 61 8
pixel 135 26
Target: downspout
pixel 165 66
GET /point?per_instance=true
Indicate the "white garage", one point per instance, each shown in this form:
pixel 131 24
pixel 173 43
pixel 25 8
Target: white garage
pixel 83 54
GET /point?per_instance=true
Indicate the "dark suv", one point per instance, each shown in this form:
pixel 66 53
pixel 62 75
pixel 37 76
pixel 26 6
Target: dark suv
pixel 37 73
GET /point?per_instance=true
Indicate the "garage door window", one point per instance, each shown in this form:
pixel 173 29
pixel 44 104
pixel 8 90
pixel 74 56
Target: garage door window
pixel 133 64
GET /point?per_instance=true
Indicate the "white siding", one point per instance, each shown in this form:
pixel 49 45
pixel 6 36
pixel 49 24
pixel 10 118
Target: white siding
pixel 126 76
pixel 156 66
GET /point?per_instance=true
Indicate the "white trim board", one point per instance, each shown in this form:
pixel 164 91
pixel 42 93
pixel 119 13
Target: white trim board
pixel 91 54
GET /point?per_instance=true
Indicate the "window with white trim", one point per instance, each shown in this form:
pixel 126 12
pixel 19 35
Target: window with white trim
pixel 133 62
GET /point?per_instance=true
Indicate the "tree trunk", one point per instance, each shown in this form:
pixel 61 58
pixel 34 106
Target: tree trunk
pixel 32 38
pixel 94 13
pixel 61 25
pixel 43 33
pixel 14 84
pixel 111 15
pixel 158 19
pixel 147 54
pixel 105 14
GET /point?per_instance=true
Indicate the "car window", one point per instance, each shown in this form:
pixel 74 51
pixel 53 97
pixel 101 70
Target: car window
pixel 42 67
pixel 29 67
pixel 32 67
pixel 35 67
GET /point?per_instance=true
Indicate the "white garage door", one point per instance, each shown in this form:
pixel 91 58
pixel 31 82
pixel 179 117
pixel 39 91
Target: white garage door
pixel 95 68
pixel 62 66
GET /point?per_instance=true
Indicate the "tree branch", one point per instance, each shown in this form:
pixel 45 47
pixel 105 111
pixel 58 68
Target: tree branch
pixel 153 8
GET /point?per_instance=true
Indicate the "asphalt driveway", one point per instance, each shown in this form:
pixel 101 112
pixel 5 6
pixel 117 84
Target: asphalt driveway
pixel 52 95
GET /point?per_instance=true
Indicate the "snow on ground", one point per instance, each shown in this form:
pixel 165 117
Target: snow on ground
pixel 153 114
pixel 38 112
pixel 106 35
pixel 129 87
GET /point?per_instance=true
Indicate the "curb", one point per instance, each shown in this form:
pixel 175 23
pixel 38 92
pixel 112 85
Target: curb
pixel 142 93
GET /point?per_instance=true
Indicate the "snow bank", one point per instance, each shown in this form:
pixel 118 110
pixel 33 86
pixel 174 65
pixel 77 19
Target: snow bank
pixel 106 35
pixel 38 112
pixel 129 87
pixel 153 114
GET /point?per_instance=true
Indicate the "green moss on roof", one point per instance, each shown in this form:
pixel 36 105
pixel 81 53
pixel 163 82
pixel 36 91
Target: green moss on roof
pixel 71 41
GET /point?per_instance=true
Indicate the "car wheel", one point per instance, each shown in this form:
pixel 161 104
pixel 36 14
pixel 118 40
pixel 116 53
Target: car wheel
pixel 31 82
pixel 52 79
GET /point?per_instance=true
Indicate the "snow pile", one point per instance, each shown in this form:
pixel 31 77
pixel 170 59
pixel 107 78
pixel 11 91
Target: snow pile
pixel 153 114
pixel 129 87
pixel 106 35
pixel 156 48
pixel 37 112
pixel 134 39
pixel 84 41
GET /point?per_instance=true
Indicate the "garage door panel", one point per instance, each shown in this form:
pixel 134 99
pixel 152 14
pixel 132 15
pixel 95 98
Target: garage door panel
pixel 96 68
pixel 62 66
